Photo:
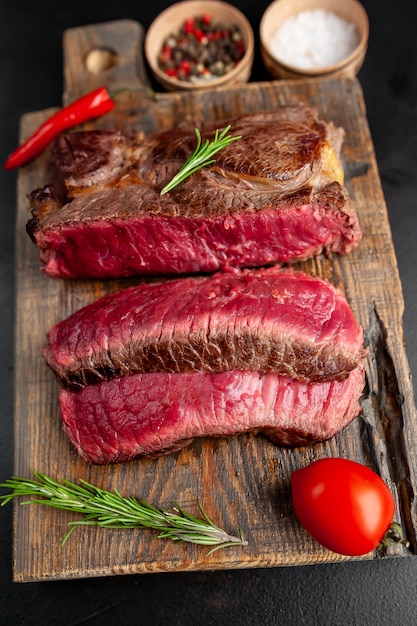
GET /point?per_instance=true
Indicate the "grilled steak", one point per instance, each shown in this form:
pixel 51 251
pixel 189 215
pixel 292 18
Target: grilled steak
pixel 275 195
pixel 147 370
pixel 273 320
pixel 150 414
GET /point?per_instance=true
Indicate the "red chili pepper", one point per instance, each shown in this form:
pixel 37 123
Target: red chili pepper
pixel 87 107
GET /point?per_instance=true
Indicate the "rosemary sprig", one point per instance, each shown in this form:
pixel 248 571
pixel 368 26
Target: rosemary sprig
pixel 201 157
pixel 100 507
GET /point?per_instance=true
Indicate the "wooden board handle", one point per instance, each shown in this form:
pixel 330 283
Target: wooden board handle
pixel 109 54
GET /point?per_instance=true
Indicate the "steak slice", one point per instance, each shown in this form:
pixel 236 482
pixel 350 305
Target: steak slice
pixel 275 195
pixel 272 320
pixel 152 414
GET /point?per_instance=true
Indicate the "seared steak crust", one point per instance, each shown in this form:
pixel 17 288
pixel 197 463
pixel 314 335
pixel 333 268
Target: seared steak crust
pixel 272 320
pixel 276 195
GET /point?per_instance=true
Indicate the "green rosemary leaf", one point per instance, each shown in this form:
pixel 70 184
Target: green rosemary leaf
pixel 201 157
pixel 100 507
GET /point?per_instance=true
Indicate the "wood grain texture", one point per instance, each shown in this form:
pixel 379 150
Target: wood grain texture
pixel 242 480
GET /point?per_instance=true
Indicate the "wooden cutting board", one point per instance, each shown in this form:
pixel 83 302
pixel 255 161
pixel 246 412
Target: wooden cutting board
pixel 239 481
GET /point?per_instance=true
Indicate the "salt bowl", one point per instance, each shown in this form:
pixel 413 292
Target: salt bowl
pixel 314 38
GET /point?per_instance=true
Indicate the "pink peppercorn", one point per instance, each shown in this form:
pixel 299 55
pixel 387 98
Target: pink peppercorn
pixel 189 25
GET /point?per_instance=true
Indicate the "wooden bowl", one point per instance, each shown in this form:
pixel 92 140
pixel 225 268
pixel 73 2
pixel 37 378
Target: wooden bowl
pixel 280 10
pixel 170 21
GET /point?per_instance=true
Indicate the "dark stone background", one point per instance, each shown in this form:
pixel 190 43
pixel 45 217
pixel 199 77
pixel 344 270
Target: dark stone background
pixel 380 592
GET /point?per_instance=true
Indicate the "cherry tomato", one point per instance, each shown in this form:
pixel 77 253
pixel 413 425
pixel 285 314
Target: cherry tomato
pixel 342 504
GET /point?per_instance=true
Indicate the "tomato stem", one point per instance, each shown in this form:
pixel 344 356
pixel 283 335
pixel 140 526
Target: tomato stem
pixel 394 536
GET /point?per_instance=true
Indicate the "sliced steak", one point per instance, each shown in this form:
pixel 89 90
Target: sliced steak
pixel 275 195
pixel 273 320
pixel 151 414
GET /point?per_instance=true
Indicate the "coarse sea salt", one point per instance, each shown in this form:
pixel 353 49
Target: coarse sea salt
pixel 313 39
